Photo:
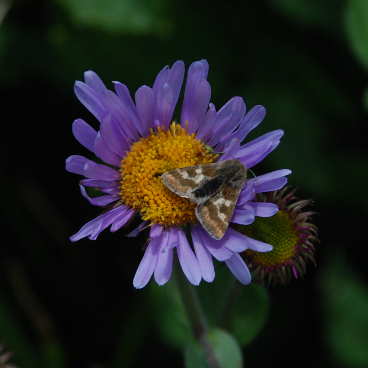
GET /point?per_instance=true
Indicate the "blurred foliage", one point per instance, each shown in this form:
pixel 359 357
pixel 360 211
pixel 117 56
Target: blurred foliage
pixel 311 13
pixel 169 313
pixel 13 336
pixel 128 16
pixel 356 23
pixel 345 303
pixel 242 311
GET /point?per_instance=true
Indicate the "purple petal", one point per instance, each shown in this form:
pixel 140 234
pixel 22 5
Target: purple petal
pixel 161 78
pixel 103 151
pixel 124 111
pixel 94 81
pixel 101 172
pixel 187 259
pixel 84 134
pixel 145 101
pixel 247 194
pixel 204 258
pixel 113 136
pixel 197 96
pixel 164 105
pixel 164 265
pixel 235 241
pixel 257 245
pixel 99 184
pixel 123 92
pixel 239 269
pixel 94 227
pixel 264 209
pixel 195 110
pixel 250 121
pixel 206 128
pixel 147 264
pixel 156 231
pixel 98 201
pixel 165 257
pixel 229 115
pixel 143 225
pixel 272 185
pixel 108 187
pixel 228 118
pixel 243 216
pixel 215 247
pixel 176 76
pixel 125 116
pixel 75 164
pixel 255 151
pixel 230 150
pixel 89 98
pixel 166 90
pixel 82 166
pixel 270 181
pixel 121 220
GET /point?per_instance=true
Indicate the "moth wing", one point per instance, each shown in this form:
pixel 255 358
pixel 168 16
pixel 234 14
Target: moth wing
pixel 216 213
pixel 186 180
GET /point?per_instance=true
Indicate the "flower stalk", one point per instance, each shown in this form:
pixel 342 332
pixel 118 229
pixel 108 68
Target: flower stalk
pixel 196 317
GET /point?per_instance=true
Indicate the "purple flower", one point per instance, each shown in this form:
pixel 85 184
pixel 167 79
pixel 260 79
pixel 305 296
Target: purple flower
pixel 137 141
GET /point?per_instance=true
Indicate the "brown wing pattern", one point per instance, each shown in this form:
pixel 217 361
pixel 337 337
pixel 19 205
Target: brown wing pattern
pixel 216 213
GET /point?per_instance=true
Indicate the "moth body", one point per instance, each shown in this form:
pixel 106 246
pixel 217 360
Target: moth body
pixel 214 187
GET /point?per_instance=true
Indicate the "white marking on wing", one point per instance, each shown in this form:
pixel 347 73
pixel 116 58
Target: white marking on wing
pixel 219 201
pixel 198 178
pixel 198 171
pixel 184 175
pixel 222 216
pixel 228 203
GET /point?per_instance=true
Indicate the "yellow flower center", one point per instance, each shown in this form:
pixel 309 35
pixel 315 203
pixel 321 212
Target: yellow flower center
pixel 148 158
pixel 279 231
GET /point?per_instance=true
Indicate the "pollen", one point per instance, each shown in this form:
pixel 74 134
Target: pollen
pixel 279 231
pixel 141 186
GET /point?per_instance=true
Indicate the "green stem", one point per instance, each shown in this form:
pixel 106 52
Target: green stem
pixel 196 317
pixel 193 309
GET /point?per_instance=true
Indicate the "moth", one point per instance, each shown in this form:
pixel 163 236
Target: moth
pixel 215 189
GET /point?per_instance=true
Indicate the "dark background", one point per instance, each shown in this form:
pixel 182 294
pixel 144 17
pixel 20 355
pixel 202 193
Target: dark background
pixel 73 305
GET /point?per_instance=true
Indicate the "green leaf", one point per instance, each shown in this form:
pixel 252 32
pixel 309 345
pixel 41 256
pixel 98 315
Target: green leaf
pixel 243 310
pixel 345 305
pixel 170 315
pixel 249 313
pixel 356 24
pixel 128 16
pixel 225 350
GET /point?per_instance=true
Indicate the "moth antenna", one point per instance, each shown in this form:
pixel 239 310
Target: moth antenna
pixel 252 172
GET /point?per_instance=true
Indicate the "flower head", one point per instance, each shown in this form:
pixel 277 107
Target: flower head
pixel 138 141
pixel 292 234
